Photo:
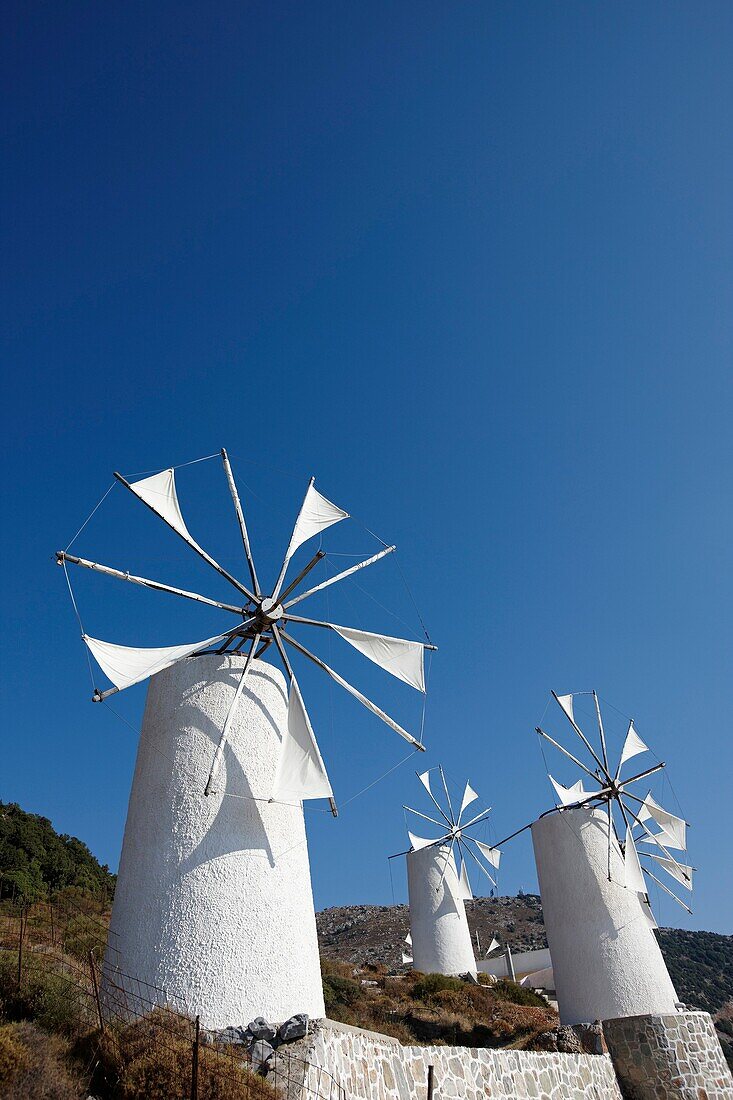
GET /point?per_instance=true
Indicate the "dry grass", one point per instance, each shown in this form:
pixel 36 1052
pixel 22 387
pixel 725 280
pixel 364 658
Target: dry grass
pixel 430 1008
pixel 36 1066
pixel 152 1058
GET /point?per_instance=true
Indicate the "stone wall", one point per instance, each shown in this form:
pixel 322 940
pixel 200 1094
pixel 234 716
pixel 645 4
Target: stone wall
pixel 675 1057
pixel 375 1067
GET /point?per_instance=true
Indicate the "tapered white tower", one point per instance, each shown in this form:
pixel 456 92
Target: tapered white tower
pixel 605 957
pixel 213 901
pixel 441 941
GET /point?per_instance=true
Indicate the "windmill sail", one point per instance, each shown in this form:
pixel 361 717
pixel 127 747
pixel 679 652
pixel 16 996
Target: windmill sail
pixel 566 702
pixel 128 665
pixel 492 946
pixel 678 871
pixel 316 514
pixel 464 886
pixel 633 874
pixel 419 842
pixel 469 796
pixel 633 745
pixel 571 796
pixel 159 493
pixel 403 659
pixel 492 855
pixel 674 828
pixel 301 772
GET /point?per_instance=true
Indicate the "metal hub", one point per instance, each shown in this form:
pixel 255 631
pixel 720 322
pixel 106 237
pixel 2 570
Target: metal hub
pixel 269 611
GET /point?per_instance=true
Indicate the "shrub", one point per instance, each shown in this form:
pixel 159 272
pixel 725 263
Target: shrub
pixel 340 991
pixel 504 990
pixel 430 984
pixel 51 997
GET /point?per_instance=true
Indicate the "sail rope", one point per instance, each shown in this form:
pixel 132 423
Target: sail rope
pixel 94 509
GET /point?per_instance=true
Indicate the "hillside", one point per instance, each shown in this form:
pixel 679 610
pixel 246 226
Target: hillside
pixel 700 963
pixel 35 860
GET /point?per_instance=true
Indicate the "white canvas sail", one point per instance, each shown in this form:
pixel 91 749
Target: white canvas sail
pixel 406 959
pixel 633 745
pixel 469 796
pixel 128 665
pixel 491 855
pixel 424 778
pixel 402 658
pixel 678 871
pixel 316 514
pixel 674 828
pixel 464 886
pixel 566 702
pixel 159 493
pixel 300 772
pixel 419 842
pixel 492 946
pixel 571 796
pixel 633 874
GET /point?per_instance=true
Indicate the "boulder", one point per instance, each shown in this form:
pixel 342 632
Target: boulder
pixel 260 1053
pixel 260 1029
pixel 231 1036
pixel 294 1028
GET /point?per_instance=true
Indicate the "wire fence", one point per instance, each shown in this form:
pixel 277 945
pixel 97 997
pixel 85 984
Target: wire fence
pixel 59 966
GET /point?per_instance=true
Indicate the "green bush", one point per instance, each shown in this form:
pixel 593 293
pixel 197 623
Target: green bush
pixel 504 990
pixel 340 991
pixel 57 1001
pixel 436 983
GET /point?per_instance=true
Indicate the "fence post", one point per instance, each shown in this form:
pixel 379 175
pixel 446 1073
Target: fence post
pixel 195 1062
pixel 430 1083
pixel 20 948
pixel 95 984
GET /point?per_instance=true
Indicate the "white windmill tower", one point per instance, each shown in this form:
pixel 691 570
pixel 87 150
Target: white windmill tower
pixel 213 901
pixel 606 959
pixel 438 887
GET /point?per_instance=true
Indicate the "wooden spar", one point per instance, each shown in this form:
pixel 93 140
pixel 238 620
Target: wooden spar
pixel 240 520
pixel 426 818
pixel 289 670
pixel 447 796
pixel 463 846
pixel 603 738
pixel 642 775
pixel 568 754
pixel 286 559
pixel 610 823
pixel 340 576
pixel 667 890
pixel 582 736
pixel 216 763
pixel 190 542
pixel 62 556
pixel 437 805
pixel 303 573
pixel 332 626
pixel 265 646
pixel 353 691
pixel 475 820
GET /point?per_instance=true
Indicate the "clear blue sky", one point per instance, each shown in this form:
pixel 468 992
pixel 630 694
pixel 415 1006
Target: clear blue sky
pixel 471 265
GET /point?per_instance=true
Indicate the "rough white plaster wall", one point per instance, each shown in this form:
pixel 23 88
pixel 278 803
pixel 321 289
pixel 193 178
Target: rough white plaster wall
pixel 213 901
pixel 441 941
pixel 606 960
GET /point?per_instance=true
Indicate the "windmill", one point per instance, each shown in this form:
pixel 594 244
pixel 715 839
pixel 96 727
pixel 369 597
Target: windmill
pixel 214 901
pixel 625 810
pixel 598 919
pixel 437 889
pixel 263 619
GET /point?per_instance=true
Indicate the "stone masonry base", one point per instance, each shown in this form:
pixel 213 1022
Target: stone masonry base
pixel 368 1066
pixel 675 1057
